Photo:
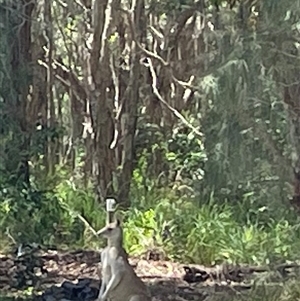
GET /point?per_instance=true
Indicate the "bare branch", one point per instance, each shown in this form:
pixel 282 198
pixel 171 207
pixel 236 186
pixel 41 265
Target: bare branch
pixel 133 33
pixel 157 94
pixel 67 77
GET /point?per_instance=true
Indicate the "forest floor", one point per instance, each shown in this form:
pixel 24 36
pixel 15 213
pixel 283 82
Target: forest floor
pixel 50 275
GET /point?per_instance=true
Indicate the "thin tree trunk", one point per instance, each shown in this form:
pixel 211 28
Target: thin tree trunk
pixel 51 109
pixel 101 105
pixel 20 59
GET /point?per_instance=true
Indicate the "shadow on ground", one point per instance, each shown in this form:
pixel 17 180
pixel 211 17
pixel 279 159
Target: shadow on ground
pixel 51 275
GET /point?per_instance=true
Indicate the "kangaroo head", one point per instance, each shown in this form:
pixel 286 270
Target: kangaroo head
pixel 113 232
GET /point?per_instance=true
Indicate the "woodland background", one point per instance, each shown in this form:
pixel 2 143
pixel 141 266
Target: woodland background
pixel 187 112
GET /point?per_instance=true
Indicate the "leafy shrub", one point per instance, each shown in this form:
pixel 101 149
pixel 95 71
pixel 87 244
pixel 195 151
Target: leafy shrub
pixel 208 234
pixel 161 218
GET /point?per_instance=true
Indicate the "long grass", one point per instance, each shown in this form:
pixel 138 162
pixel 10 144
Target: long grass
pixel 185 231
pixel 206 234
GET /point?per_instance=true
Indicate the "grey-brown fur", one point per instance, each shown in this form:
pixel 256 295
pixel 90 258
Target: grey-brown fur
pixel 119 280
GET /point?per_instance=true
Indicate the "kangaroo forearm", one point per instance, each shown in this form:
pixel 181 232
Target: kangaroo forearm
pixel 102 288
pixel 112 284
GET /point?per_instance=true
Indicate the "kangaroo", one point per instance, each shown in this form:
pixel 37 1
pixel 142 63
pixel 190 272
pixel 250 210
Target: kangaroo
pixel 119 280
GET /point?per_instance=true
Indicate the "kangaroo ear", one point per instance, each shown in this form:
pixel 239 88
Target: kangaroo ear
pixel 117 222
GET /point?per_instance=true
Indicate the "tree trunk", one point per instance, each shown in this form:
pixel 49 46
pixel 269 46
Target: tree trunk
pixel 292 101
pixel 15 102
pixel 130 110
pixel 101 105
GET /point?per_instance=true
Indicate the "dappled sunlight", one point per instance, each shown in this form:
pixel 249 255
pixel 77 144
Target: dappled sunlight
pixel 186 114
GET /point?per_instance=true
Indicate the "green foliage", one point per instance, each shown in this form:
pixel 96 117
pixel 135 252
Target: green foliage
pixel 178 226
pixel 78 201
pixel 220 197
pixel 170 6
pixel 51 217
pixel 30 207
pixel 208 234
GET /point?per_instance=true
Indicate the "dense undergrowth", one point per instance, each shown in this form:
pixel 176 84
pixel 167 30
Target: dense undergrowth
pixel 183 228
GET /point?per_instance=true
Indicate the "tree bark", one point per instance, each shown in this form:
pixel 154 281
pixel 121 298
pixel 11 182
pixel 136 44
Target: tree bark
pixel 101 105
pixel 15 103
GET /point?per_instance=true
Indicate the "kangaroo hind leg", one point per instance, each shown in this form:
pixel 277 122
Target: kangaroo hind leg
pixel 139 298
